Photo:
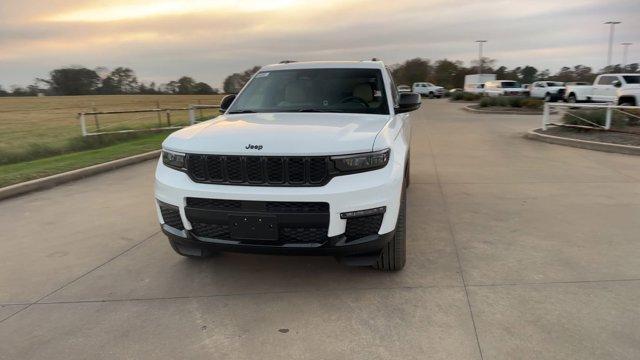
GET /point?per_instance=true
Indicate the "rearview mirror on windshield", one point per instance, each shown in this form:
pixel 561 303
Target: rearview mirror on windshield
pixel 409 101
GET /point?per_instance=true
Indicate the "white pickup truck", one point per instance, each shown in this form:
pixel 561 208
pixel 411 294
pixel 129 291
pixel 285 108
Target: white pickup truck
pixel 547 90
pixel 427 89
pixel 613 88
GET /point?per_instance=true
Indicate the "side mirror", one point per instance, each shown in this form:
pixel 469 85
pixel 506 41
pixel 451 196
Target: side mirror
pixel 616 83
pixel 409 101
pixel 226 102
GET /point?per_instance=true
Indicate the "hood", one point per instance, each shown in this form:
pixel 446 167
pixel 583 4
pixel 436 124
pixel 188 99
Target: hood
pixel 280 134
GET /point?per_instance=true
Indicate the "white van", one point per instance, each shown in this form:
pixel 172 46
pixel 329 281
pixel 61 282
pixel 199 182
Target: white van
pixel 504 88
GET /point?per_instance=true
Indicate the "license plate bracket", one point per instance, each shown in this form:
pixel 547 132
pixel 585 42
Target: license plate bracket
pixel 253 227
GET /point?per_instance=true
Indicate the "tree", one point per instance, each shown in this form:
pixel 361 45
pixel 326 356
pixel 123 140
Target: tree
pixel 186 85
pixel 202 88
pixel 528 74
pixel 414 70
pixel 234 82
pixel 445 71
pixel 124 79
pixel 487 65
pixel 72 81
pixel 171 87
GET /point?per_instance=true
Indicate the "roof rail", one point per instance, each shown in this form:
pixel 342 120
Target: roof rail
pixel 287 61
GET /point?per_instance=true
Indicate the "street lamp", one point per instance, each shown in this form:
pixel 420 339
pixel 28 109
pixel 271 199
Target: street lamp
pixel 625 51
pixel 480 42
pixel 612 25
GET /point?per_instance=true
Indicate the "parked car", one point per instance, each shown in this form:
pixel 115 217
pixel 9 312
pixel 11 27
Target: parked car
pixel 503 88
pixel 474 83
pixel 474 88
pixel 547 90
pixel 605 88
pixel 404 88
pixel 576 83
pixel 629 96
pixel 427 89
pixel 288 169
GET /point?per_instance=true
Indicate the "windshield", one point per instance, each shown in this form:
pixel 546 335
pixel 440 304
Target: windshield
pixel 314 90
pixel 510 84
pixel 632 79
pixel 551 83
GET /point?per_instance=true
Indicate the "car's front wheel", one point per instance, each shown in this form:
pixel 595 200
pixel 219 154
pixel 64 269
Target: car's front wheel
pixel 394 255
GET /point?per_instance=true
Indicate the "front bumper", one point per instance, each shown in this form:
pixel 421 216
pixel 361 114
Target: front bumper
pixel 347 193
pixel 336 246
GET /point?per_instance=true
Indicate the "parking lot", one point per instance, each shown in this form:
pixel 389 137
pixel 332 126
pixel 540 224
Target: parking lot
pixel 516 250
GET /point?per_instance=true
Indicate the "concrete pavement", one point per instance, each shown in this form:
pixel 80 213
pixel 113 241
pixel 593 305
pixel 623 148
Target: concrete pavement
pixel 517 249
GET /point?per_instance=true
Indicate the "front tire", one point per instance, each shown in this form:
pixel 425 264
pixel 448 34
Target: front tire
pixel 431 96
pixel 548 97
pixel 572 99
pixel 394 254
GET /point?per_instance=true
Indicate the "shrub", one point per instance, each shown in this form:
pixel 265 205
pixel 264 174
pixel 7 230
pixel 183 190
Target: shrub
pixel 456 95
pixel 465 96
pixel 595 116
pixel 515 102
pixel 532 103
pixel 511 101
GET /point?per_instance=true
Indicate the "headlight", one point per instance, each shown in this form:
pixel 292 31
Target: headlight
pixel 173 159
pixel 362 162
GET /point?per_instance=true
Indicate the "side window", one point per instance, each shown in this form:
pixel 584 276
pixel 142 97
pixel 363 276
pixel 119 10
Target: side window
pixel 606 80
pixel 540 85
pixel 394 90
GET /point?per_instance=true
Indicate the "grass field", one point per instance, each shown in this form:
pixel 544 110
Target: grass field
pixel 38 124
pixel 40 136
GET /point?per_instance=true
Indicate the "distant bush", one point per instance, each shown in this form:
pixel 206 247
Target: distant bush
pixel 598 117
pixel 511 101
pixel 465 96
pixel 532 103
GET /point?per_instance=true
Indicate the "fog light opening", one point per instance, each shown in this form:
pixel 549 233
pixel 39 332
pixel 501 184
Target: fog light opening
pixel 361 213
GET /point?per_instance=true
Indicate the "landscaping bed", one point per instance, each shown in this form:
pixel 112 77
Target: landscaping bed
pixel 610 137
pixel 503 110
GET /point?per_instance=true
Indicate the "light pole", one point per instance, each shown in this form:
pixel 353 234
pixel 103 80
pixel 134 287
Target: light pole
pixel 480 42
pixel 625 51
pixel 612 25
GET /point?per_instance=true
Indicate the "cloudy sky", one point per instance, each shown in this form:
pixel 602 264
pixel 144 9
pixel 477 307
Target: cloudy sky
pixel 209 39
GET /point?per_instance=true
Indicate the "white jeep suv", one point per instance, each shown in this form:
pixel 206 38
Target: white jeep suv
pixel 309 158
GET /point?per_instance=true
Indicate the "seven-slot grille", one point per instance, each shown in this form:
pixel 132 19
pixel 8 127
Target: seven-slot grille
pixel 259 170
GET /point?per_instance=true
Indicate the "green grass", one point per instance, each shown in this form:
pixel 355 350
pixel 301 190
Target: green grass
pixel 29 170
pixel 39 127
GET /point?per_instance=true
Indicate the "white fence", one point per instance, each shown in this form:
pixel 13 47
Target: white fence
pixel 610 108
pixel 163 119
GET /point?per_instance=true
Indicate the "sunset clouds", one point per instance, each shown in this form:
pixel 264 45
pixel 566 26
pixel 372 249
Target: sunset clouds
pixel 210 39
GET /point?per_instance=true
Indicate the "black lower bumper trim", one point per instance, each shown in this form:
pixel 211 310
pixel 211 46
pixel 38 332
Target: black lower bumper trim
pixel 336 246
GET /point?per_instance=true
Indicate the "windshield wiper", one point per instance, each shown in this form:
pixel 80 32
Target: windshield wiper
pixel 319 110
pixel 241 112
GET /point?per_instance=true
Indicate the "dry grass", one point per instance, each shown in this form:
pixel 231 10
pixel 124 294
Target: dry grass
pixel 51 122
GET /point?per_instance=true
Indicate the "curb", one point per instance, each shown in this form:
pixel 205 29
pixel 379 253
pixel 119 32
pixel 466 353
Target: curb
pixel 54 180
pixel 502 112
pixel 583 144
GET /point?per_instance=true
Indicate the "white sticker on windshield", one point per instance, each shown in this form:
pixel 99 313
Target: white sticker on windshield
pixel 262 74
pixel 377 93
